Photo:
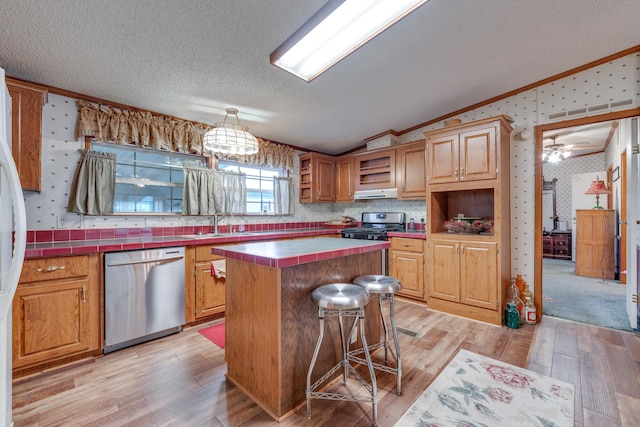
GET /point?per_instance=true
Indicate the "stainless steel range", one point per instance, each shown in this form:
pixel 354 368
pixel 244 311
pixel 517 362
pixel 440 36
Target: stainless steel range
pixel 376 225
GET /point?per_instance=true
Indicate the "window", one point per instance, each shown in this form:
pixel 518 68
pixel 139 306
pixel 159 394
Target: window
pixel 148 181
pixel 259 185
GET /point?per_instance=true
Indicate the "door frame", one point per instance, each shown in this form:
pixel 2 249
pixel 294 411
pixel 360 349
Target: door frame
pixel 538 132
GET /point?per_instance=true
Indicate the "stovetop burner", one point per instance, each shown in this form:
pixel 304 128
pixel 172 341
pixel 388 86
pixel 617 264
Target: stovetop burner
pixel 375 226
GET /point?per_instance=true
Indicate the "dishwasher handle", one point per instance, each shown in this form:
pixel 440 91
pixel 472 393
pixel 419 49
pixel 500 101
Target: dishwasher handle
pixel 146 261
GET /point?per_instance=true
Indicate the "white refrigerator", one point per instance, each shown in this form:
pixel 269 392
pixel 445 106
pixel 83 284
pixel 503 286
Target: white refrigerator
pixel 13 235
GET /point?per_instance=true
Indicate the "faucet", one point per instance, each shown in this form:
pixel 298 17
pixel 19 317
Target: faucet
pixel 216 218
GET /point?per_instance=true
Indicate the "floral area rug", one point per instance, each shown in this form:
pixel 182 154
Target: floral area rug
pixel 474 390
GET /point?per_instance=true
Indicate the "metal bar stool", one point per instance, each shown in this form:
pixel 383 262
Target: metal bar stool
pixel 342 300
pixel 384 288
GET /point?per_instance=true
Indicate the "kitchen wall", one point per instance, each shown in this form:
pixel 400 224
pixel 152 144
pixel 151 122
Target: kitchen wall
pixel 614 81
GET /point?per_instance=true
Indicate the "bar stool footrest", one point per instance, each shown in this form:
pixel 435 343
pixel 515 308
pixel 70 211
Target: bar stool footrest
pixel 340 396
pixel 335 369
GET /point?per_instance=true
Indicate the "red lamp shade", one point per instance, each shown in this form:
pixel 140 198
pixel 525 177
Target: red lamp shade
pixel 597 187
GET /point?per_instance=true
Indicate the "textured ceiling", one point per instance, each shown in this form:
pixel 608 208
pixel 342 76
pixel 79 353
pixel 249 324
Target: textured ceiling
pixel 192 59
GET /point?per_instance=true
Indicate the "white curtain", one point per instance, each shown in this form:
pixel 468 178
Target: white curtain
pixel 198 192
pixel 283 196
pixel 230 192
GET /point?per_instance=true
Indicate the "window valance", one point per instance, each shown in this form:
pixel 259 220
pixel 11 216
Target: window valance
pixel 144 129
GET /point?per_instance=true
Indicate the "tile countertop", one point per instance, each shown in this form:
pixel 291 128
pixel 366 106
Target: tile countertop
pixel 75 247
pixel 289 253
pixel 113 244
pixel 415 234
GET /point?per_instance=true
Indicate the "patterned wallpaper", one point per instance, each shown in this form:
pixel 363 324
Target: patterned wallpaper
pixel 563 171
pixel 610 82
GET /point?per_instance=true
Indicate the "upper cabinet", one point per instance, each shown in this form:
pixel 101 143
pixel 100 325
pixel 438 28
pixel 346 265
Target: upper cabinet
pixel 374 170
pixel 26 130
pixel 412 184
pixel 344 179
pixel 317 178
pixel 455 155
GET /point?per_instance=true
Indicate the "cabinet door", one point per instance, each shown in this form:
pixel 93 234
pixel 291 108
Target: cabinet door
pixel 324 180
pixel 478 274
pixel 26 133
pixel 444 271
pixel 478 154
pixel 408 268
pixel 344 180
pixel 442 154
pixel 412 171
pixel 210 292
pixel 52 320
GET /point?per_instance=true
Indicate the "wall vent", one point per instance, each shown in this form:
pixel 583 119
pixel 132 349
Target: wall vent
pixel 597 108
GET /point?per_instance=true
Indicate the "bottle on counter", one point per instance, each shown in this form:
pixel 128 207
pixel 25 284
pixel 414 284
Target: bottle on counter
pixel 412 224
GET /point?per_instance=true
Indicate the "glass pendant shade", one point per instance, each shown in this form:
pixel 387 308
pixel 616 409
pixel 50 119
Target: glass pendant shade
pixel 230 138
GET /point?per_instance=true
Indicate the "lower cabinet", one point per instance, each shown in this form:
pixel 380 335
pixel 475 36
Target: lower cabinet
pixel 206 296
pixel 407 265
pixel 463 272
pixel 57 310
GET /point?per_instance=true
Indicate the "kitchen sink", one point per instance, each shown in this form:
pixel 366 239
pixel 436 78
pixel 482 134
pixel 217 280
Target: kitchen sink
pixel 203 236
pixel 211 235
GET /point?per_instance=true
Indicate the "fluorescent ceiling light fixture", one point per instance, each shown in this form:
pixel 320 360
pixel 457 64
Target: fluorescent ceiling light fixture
pixel 336 30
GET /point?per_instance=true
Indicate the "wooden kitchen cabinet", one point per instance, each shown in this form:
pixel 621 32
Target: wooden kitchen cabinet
pixel 411 168
pixel 467 274
pixel 456 154
pixel 57 311
pixel 26 131
pixel 407 265
pixel 317 178
pixel 375 169
pixel 344 179
pixel 595 240
pixel 205 293
pixel 464 272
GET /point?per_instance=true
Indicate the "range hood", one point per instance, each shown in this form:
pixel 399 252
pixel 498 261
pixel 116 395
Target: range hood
pixel 382 193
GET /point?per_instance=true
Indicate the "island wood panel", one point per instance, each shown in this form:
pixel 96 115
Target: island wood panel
pixel 272 327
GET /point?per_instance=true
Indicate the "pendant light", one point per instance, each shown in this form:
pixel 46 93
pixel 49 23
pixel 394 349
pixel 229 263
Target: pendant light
pixel 230 138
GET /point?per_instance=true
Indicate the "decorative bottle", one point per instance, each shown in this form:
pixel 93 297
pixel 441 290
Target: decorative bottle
pixel 521 283
pixel 529 311
pixel 515 298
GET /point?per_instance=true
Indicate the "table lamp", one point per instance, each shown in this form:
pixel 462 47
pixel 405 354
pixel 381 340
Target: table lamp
pixel 597 187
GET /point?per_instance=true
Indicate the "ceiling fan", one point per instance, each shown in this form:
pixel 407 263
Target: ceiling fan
pixel 556 151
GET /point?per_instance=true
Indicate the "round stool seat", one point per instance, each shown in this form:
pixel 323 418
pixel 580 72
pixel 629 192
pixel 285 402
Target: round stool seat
pixel 340 296
pixel 378 283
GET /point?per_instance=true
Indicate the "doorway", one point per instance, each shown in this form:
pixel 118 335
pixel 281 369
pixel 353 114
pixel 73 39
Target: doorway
pixel 555 276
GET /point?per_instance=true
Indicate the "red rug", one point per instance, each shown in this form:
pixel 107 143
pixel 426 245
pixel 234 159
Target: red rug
pixel 215 334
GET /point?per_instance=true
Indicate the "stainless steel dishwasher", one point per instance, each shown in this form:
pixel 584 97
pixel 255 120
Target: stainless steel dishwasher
pixel 143 296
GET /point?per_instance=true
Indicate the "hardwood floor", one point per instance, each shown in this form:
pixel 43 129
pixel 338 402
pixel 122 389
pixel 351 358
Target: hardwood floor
pixel 180 380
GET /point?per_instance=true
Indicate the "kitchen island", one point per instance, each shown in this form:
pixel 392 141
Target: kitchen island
pixel 271 321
